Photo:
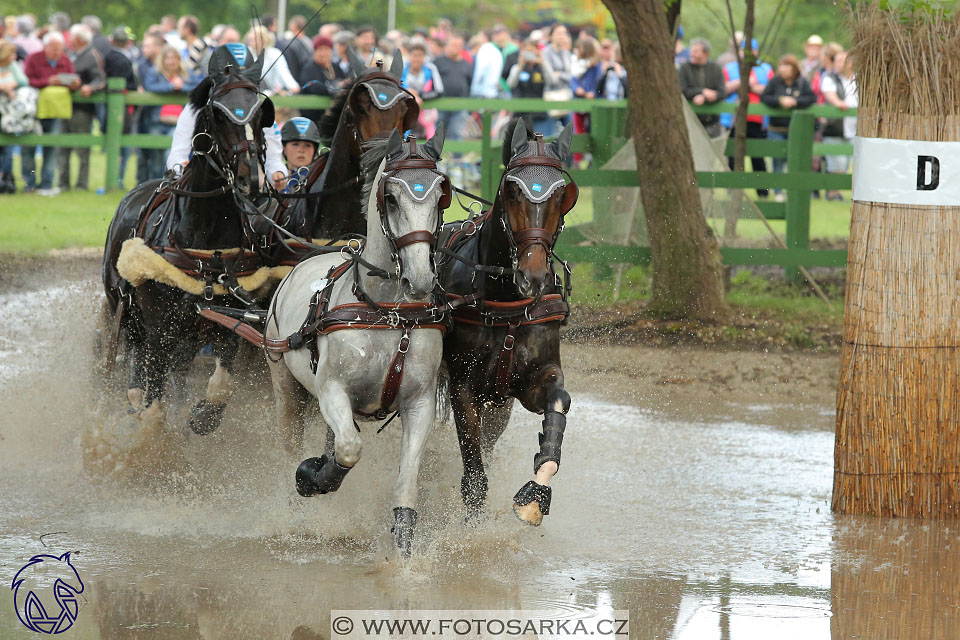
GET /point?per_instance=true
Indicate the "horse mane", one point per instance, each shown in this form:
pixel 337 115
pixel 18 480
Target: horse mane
pixel 200 94
pixel 374 151
pixel 331 117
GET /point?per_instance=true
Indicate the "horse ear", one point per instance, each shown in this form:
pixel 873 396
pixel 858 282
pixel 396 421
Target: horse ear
pixel 254 71
pixel 562 144
pixel 356 64
pixel 396 68
pixel 434 145
pixel 395 144
pixel 520 135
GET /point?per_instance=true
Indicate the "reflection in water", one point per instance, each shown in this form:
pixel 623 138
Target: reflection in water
pixel 896 578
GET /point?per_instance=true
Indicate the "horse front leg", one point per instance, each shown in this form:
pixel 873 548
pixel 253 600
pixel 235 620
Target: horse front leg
pixel 325 474
pixel 418 422
pixel 473 483
pixel 532 502
pixel 152 362
pixel 205 417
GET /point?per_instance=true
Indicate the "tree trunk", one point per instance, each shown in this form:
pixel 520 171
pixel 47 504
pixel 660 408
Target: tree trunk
pixel 687 267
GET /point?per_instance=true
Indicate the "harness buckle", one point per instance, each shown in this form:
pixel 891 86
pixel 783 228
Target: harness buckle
pixel 208 292
pixel 404 345
pixel 508 341
pixel 393 319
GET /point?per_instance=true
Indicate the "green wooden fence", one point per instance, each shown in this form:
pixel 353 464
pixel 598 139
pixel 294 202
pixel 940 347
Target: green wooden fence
pixel 606 138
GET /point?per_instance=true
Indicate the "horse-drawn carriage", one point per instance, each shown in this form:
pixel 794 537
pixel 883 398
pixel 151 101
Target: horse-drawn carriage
pixel 353 287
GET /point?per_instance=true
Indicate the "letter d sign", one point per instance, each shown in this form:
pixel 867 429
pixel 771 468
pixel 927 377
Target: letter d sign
pixel 922 183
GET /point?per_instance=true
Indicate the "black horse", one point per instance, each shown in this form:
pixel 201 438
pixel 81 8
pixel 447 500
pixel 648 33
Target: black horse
pixel 172 244
pixel 505 344
pixel 370 107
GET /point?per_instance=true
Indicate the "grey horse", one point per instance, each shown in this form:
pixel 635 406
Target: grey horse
pixel 348 371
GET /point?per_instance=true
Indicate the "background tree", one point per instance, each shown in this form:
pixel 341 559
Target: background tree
pixel 687 268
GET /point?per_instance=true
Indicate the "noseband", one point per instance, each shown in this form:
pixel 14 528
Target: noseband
pixel 411 161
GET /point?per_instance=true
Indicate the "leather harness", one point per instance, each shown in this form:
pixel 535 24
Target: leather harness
pixel 364 314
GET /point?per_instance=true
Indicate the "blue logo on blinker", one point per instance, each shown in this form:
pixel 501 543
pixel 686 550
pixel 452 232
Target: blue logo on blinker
pixel 43 607
pixel 417 187
pixel 537 187
pixel 382 96
pixel 239 112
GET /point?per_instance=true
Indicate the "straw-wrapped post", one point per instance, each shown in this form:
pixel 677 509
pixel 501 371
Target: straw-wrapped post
pixel 898 401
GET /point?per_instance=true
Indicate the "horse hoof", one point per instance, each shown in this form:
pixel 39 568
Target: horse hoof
pixel 405 520
pixel 532 502
pixel 205 417
pixel 316 476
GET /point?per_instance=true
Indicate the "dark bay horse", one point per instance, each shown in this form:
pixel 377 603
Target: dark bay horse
pixel 370 107
pixel 173 244
pixel 506 344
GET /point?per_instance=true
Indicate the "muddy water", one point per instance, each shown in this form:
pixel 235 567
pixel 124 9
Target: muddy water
pixel 694 493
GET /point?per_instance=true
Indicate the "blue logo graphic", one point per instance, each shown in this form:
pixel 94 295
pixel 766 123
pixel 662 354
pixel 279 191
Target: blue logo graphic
pixel 239 112
pixel 382 96
pixel 239 52
pixel 417 187
pixel 301 124
pixel 43 607
pixel 537 187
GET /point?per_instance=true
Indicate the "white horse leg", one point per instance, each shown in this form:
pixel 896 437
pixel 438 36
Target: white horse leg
pixel 324 474
pixel 291 398
pixel 417 424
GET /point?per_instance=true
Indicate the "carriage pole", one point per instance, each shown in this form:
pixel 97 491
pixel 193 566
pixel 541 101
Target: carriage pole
pixel 897 450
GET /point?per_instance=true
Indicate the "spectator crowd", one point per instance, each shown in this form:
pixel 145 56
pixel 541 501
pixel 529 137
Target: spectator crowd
pixel 823 76
pixel 43 65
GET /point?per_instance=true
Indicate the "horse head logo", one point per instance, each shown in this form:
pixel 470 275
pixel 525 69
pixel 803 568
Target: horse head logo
pixel 45 593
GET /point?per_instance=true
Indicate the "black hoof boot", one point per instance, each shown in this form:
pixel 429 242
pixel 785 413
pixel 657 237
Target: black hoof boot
pixel 320 475
pixel 533 491
pixel 205 417
pixel 473 490
pixel 405 519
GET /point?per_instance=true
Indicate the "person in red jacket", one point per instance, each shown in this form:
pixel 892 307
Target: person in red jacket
pixel 44 69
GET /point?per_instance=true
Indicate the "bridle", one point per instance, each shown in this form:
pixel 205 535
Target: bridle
pixel 411 160
pixel 525 238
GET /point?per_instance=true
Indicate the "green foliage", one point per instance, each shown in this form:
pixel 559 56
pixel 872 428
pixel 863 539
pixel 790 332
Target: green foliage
pixel 708 19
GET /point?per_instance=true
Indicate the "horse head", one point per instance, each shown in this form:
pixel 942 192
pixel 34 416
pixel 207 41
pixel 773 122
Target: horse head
pixel 533 199
pixel 372 106
pixel 410 196
pixel 231 117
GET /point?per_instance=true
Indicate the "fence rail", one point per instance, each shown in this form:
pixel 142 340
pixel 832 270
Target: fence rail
pixel 606 138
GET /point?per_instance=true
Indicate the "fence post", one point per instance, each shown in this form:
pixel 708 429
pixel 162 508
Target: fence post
pixel 799 160
pixel 111 137
pixel 486 146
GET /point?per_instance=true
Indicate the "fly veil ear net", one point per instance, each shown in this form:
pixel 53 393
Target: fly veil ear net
pixel 537 181
pixel 235 93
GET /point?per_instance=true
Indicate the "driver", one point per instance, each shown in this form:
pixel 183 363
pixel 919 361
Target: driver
pixel 223 60
pixel 301 141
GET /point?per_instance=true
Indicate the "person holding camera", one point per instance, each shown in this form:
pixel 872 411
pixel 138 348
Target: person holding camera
pixel 527 79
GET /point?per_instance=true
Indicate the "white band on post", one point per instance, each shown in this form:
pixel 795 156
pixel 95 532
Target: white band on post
pixel 910 172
